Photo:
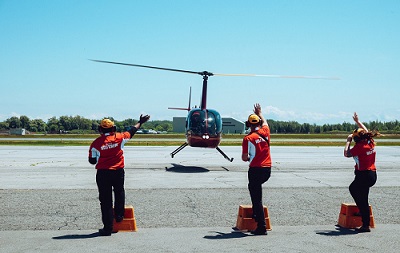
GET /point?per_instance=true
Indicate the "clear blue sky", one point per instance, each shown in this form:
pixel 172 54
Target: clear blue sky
pixel 45 46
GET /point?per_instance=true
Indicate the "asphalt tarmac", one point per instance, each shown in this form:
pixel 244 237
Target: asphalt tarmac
pixel 189 203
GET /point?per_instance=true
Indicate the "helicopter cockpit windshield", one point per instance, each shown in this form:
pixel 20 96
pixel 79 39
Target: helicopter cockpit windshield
pixel 204 121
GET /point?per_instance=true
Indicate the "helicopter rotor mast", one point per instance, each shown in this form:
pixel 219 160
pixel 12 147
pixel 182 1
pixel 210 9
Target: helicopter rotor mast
pixel 205 75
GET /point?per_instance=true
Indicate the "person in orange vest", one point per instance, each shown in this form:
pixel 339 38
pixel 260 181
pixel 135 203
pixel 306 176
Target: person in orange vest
pixel 256 151
pixel 364 154
pixel 106 152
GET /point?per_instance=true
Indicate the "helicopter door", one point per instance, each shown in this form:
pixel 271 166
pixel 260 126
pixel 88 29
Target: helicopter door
pixel 214 123
pixel 196 122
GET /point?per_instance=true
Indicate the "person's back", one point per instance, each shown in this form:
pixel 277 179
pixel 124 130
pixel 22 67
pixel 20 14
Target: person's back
pixel 109 148
pixel 364 155
pixel 257 143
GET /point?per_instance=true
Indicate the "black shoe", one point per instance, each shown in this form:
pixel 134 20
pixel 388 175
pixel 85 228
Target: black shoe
pixel 119 218
pixel 259 231
pixel 363 229
pixel 105 232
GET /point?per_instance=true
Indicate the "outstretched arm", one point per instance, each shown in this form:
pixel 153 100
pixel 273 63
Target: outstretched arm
pixel 257 111
pixel 359 123
pixel 142 120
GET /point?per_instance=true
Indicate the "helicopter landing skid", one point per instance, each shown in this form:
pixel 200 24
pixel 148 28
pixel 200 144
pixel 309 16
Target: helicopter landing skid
pixel 178 149
pixel 224 155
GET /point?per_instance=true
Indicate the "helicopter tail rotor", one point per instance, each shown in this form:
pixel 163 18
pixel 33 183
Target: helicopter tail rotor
pixel 185 109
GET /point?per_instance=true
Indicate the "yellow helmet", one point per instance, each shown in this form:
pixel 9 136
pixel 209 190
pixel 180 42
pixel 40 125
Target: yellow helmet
pixel 253 119
pixel 357 132
pixel 106 123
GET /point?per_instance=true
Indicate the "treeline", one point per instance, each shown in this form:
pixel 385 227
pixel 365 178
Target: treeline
pixel 78 124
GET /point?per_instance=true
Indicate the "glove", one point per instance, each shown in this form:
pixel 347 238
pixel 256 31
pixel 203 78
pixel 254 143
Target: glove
pixel 144 119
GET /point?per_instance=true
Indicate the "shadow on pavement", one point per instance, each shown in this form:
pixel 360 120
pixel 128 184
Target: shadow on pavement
pixel 221 235
pixel 185 169
pixel 76 236
pixel 337 232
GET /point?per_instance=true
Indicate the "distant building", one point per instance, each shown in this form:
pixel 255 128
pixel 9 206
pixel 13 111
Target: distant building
pixel 229 125
pixel 178 124
pixel 17 131
pixel 232 126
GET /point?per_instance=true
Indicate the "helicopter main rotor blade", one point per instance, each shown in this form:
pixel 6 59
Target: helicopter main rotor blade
pixel 280 76
pixel 150 67
pixel 206 73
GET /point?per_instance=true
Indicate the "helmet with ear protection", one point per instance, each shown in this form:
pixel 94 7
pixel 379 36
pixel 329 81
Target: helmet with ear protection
pixel 107 126
pixel 253 119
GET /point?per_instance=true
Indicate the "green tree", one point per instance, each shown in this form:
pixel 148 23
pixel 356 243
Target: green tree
pixel 24 121
pixel 37 125
pixel 94 125
pixel 65 123
pixel 3 126
pixel 14 122
pixel 129 122
pixel 53 125
pixel 80 123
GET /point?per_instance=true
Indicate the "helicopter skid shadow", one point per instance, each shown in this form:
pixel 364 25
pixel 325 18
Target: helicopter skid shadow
pixel 185 169
pixel 221 235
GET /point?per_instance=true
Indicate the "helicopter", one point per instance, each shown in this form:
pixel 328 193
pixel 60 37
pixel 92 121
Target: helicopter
pixel 203 125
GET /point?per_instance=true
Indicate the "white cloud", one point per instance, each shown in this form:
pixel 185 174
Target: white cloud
pixel 276 113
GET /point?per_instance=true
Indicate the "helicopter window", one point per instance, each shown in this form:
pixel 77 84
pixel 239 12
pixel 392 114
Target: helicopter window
pixel 214 122
pixel 201 122
pixel 196 122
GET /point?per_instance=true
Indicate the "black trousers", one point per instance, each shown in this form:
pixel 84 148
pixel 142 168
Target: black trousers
pixel 359 190
pixel 258 176
pixel 107 180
